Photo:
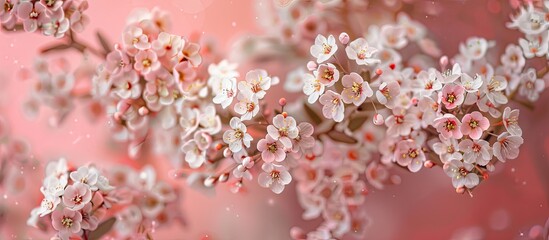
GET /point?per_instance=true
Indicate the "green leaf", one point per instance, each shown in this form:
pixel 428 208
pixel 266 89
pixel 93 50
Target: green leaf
pixel 341 137
pixel 311 113
pixel 357 122
pixel 102 229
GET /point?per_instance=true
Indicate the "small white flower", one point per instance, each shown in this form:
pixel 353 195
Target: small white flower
pixel 256 84
pixel 471 84
pixel 295 80
pixel 531 86
pixel 476 151
pixel 475 48
pixel 387 93
pixel 193 155
pixel 313 88
pixel 333 106
pixel 85 175
pixel 534 45
pixel 507 146
pixel 529 20
pixel 274 177
pixel 393 36
pixel 228 92
pixel 284 129
pixel 247 107
pixel 510 121
pixel 513 58
pixel 323 48
pixel 447 149
pixel 237 135
pixel 361 52
pixel 461 174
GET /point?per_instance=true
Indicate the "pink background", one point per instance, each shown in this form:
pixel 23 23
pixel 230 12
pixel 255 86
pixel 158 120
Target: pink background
pixel 424 206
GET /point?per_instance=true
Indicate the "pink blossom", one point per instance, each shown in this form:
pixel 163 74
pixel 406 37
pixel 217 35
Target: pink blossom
pixel 507 146
pixel 399 123
pixel 56 27
pixel 184 75
pixel 388 93
pixel 513 58
pixel 327 74
pixel 191 53
pixel 127 85
pixel 361 52
pixel 246 107
pixel 531 86
pixel 76 196
pixel 85 175
pixel 78 19
pixel 167 44
pixel 283 129
pixel 228 92
pixel 461 174
pixel 89 220
pixel 257 83
pixel 409 154
pixel 356 90
pixel 448 126
pixel 32 14
pixel 48 205
pixel 304 139
pixel 146 61
pixel 67 222
pixel 376 174
pixel 8 15
pixel 452 95
pixel 312 87
pixel 475 48
pixel 473 124
pixel 476 151
pixel 271 150
pixel 194 156
pixel 534 45
pixel 117 61
pixel 274 177
pixel 333 107
pixel 510 121
pixel 323 48
pixel 393 36
pixel 135 38
pixel 447 149
pixel 237 136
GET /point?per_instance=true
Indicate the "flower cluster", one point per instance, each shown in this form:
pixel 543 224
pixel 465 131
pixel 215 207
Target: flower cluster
pixel 51 17
pixel 281 135
pixel 146 202
pixel 152 79
pixel 75 201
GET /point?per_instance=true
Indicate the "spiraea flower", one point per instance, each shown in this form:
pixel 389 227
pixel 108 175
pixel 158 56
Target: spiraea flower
pixel 355 89
pixel 237 137
pixel 474 124
pixel 361 52
pixel 507 146
pixel 324 48
pixel 461 174
pixel 333 107
pixel 275 177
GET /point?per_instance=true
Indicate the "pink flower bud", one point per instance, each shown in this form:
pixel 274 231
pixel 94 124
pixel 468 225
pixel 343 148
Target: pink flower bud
pixel 378 119
pixel 282 102
pixel 297 233
pixel 143 111
pixel 490 167
pixel 379 71
pixel 311 65
pixel 460 190
pixel 429 164
pixel 344 38
pixel 443 61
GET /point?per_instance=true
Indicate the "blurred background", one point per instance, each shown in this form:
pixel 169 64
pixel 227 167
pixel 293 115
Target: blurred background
pixel 424 206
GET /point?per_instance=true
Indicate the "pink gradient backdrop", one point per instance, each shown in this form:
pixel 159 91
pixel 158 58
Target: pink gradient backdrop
pixel 424 206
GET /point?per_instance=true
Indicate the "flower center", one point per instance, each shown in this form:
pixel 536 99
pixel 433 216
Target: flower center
pixel 50 3
pixel 362 54
pixel 250 106
pixel 450 149
pixel 33 14
pixel 399 119
pixel 275 174
pixel 147 63
pixel 8 6
pixel 329 75
pixel 451 97
pixel 357 89
pixel 272 147
pixel 473 123
pixel 450 125
pixel 327 48
pixel 77 199
pixel 238 134
pixel 476 148
pixel 67 222
pixel 462 171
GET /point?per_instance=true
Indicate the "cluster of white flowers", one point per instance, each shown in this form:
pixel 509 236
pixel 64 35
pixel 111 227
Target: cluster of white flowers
pixel 75 202
pixel 147 202
pixel 52 17
pixel 283 136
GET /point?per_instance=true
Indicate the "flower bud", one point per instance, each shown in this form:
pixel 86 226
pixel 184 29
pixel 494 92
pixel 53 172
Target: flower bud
pixel 490 167
pixel 285 114
pixel 227 152
pixel 344 38
pixel 210 181
pixel 378 119
pixel 282 102
pixel 311 65
pixel 224 177
pixel 143 111
pixel 443 61
pixel 428 164
pixel 460 190
pixel 379 71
